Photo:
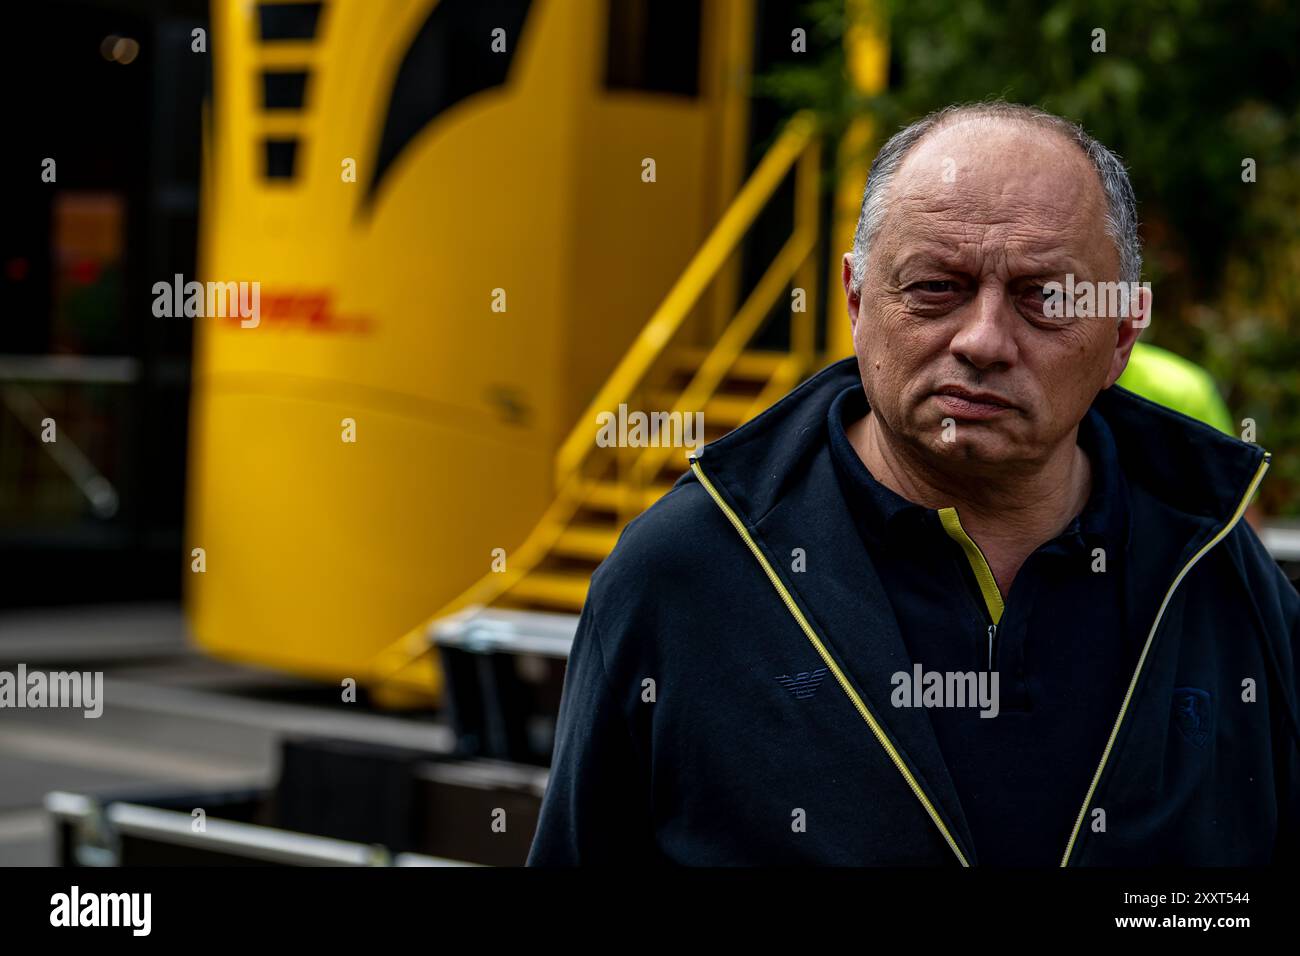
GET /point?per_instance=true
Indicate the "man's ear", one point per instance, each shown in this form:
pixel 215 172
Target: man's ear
pixel 852 300
pixel 1130 326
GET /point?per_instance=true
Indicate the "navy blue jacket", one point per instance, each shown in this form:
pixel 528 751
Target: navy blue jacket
pixel 677 743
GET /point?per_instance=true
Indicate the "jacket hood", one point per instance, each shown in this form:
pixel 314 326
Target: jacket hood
pixel 1189 466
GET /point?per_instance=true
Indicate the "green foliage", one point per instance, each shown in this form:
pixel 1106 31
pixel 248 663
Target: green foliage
pixel 1185 91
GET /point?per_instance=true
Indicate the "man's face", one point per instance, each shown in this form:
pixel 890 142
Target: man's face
pixel 958 356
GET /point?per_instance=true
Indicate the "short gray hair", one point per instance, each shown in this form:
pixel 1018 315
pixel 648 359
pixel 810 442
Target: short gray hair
pixel 1121 204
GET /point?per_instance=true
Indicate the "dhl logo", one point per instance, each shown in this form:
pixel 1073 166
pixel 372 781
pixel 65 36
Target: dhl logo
pixel 308 310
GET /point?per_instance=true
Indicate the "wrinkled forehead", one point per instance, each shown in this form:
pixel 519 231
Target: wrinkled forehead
pixel 989 182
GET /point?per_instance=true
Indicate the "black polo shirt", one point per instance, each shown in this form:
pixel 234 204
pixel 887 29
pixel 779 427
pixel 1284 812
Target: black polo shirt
pixel 1062 657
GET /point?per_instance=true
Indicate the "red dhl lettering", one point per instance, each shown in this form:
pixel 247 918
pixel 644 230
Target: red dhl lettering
pixel 307 310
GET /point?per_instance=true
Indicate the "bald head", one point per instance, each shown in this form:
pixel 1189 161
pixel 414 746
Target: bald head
pixel 971 125
pixel 1016 190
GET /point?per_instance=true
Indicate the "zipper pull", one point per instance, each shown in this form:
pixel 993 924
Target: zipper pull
pixel 993 636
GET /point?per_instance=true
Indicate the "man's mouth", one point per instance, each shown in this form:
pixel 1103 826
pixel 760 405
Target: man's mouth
pixel 970 404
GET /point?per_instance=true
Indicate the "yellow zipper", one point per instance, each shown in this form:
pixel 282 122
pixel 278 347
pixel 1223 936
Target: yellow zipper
pixel 1137 672
pixel 834 668
pixel 978 563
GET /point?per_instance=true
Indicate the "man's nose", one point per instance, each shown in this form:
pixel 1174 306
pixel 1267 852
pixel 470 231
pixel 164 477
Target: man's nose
pixel 985 336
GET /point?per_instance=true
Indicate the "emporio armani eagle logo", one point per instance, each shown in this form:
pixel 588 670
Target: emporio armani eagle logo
pixel 804 684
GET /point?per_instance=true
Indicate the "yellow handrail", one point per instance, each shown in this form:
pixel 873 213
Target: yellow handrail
pixel 794 259
pixel 734 339
pixel 686 292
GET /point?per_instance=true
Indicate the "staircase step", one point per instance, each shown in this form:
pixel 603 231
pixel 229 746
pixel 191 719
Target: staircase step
pixel 723 412
pixel 591 541
pixel 558 589
pixel 754 365
pixel 608 495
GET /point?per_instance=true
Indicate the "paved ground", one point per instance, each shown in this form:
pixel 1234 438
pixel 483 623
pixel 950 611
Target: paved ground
pixel 171 717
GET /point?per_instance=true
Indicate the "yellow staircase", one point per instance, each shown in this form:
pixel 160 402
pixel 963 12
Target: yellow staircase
pixel 666 370
pixel 618 485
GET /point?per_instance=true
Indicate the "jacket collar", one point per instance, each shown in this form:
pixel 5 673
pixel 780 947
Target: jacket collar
pixel 1189 466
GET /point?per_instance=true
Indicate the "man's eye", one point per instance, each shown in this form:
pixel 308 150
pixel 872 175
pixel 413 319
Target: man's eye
pixel 1042 302
pixel 937 286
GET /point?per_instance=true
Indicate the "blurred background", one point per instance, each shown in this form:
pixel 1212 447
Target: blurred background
pixel 329 559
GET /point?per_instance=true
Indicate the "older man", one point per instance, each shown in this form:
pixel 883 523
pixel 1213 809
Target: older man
pixel 959 601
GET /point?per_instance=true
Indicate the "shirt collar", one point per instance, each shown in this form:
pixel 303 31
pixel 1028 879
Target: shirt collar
pixel 1104 520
